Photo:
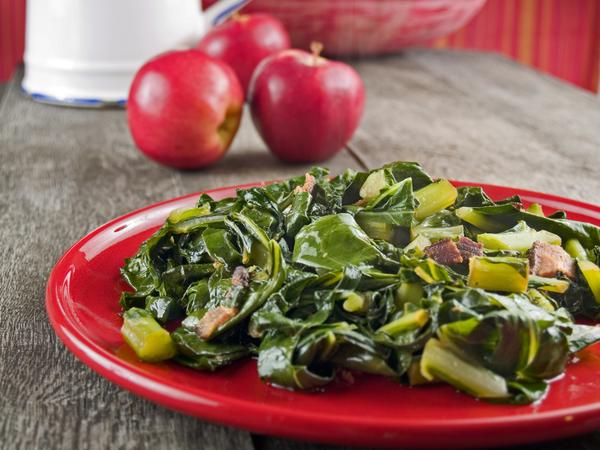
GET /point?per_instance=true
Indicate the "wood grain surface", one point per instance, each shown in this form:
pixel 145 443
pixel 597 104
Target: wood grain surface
pixel 64 172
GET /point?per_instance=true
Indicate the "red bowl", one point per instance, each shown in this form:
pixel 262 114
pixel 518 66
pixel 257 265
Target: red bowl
pixel 364 27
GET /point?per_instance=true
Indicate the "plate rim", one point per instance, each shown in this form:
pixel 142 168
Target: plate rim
pixel 218 406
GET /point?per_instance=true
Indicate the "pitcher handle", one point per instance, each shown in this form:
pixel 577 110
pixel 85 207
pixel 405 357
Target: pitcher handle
pixel 221 10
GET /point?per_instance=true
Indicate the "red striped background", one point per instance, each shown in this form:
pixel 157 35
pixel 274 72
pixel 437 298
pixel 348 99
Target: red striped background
pixel 12 35
pixel 561 37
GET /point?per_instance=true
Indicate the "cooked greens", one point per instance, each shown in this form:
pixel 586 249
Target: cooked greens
pixel 386 272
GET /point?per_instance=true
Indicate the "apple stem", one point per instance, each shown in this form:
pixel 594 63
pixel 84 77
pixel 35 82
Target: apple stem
pixel 316 48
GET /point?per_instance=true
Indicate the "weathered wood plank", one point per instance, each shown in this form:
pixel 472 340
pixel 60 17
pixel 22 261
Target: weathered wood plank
pixel 63 173
pixel 586 442
pixel 480 117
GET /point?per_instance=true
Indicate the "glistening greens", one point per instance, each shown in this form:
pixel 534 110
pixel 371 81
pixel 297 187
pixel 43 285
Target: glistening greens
pixel 386 272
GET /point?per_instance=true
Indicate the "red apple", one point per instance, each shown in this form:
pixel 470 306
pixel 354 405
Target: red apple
pixel 304 106
pixel 184 108
pixel 244 41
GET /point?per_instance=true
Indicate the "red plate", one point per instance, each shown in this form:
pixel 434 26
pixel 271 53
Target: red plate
pixel 82 303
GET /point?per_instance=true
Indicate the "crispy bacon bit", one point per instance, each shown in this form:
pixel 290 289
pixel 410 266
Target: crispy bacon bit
pixel 547 260
pixel 309 184
pixel 213 319
pixel 469 248
pixel 444 252
pixel 240 277
pixel 346 377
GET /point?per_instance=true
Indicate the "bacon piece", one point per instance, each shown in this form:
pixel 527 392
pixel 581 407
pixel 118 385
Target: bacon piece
pixel 469 248
pixel 547 260
pixel 444 252
pixel 213 319
pixel 346 377
pixel 240 277
pixel 309 184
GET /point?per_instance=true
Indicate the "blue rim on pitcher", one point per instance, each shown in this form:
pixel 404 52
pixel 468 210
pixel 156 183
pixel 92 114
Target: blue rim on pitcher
pixel 75 102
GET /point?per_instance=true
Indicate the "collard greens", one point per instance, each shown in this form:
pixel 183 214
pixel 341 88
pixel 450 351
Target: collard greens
pixel 317 276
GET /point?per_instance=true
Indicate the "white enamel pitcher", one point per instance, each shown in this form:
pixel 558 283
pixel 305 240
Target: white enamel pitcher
pixel 86 52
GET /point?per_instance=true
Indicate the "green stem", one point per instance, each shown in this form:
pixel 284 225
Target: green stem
pixel 434 197
pixel 146 337
pixel 410 321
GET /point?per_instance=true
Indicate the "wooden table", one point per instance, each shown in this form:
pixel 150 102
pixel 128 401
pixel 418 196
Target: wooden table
pixel 64 172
